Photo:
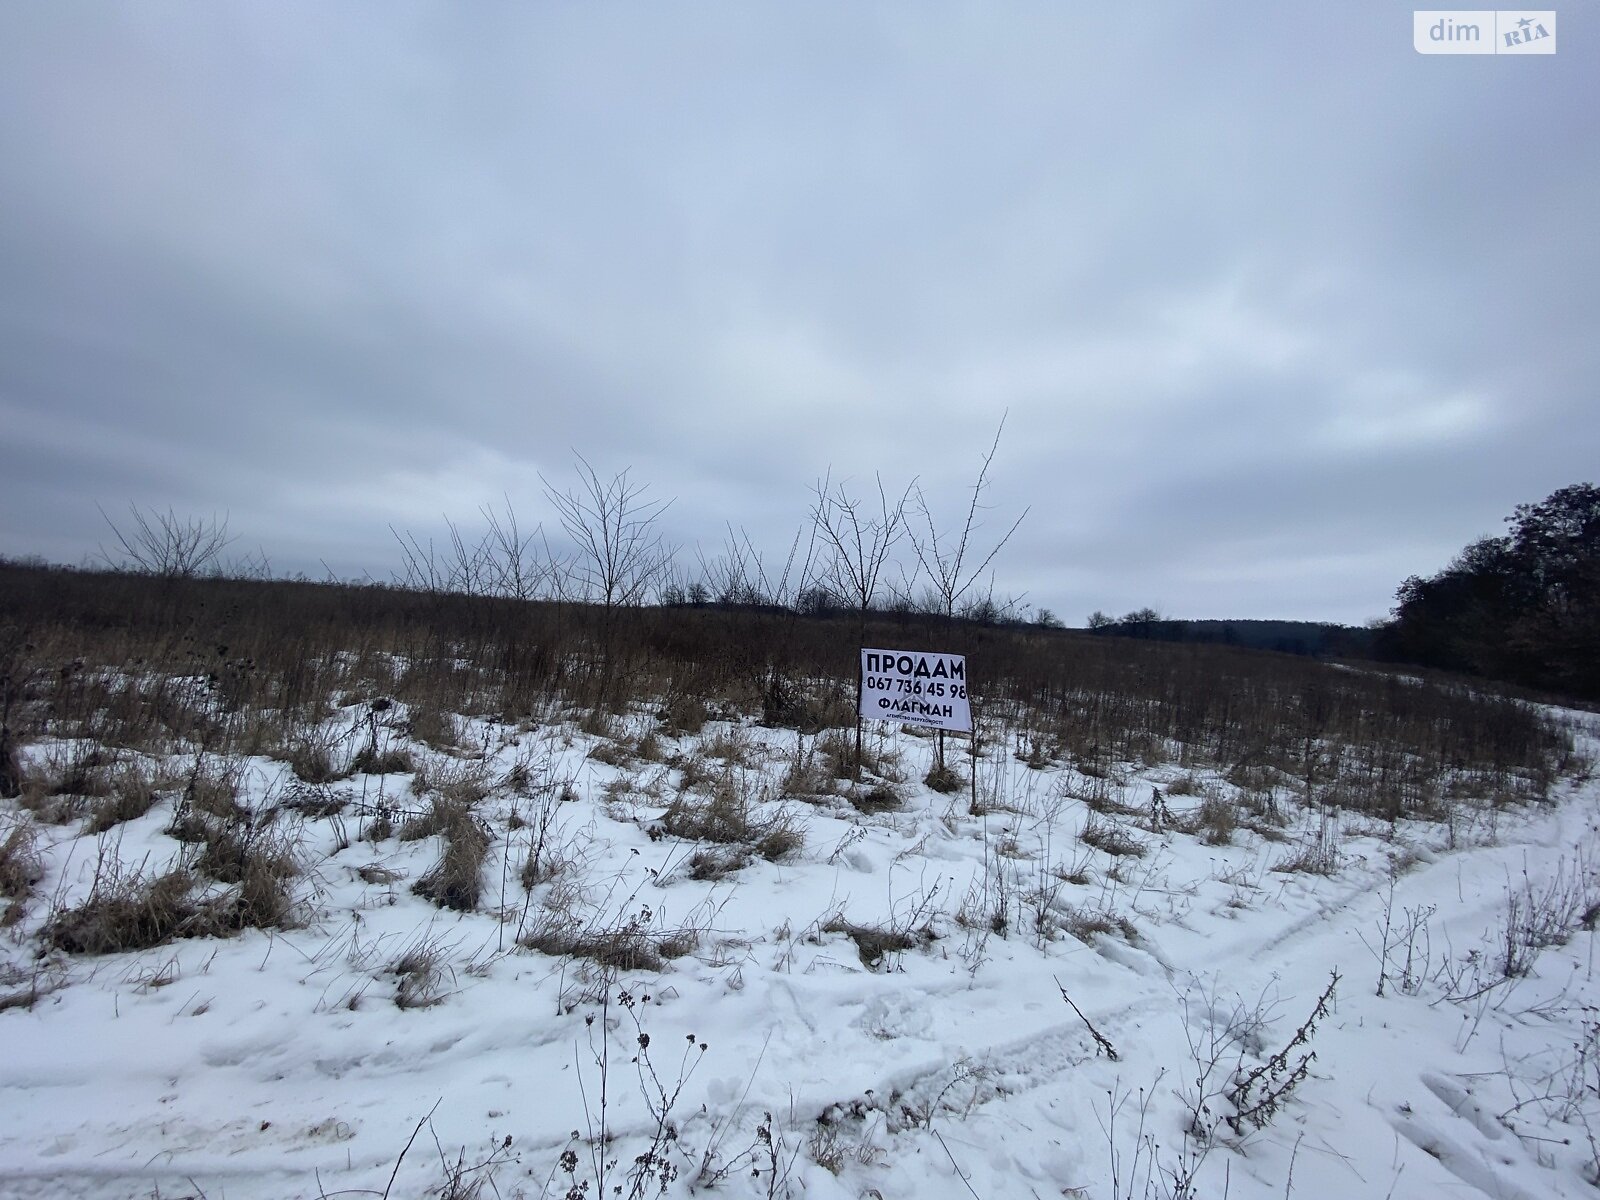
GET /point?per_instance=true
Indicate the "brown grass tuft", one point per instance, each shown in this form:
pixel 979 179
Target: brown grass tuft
pixel 730 817
pixel 1086 924
pixel 134 792
pixel 1113 838
pixel 875 943
pixel 456 880
pixel 1315 857
pixel 718 862
pixel 627 947
pixel 21 867
pixel 1216 821
pixel 423 977
pixel 372 761
pixel 318 756
pixel 128 912
pixel 432 727
pixel 462 783
pixel 684 714
pixel 878 798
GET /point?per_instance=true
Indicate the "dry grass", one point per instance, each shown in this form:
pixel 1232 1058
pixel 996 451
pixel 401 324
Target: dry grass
pixel 1035 754
pixel 684 714
pixel 291 645
pixel 730 816
pixel 649 747
pixel 876 943
pixel 1185 785
pixel 379 826
pixel 130 663
pixel 839 747
pixel 129 912
pixel 456 880
pixel 1078 874
pixel 598 723
pixel 458 781
pixel 372 761
pixel 1104 797
pixel 263 899
pixel 10 765
pixel 318 756
pixel 1216 821
pixel 377 873
pixel 549 856
pixel 316 800
pixel 879 798
pixel 432 727
pixel 423 977
pixel 229 850
pixel 21 867
pixel 60 789
pixel 135 790
pixel 807 707
pixel 732 745
pixel 717 862
pixel 1087 924
pixel 612 754
pixel 693 770
pixel 1317 857
pixel 79 768
pixel 257 857
pixel 1115 839
pixel 211 789
pixel 627 946
pixel 832 1150
pixel 807 776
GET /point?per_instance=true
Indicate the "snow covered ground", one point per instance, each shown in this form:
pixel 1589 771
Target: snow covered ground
pixel 882 1012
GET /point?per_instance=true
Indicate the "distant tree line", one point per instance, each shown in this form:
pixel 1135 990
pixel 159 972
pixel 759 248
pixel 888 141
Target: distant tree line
pixel 1524 607
pixel 1315 639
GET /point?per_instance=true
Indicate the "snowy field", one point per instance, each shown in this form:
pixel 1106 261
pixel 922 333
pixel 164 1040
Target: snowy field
pixel 1068 985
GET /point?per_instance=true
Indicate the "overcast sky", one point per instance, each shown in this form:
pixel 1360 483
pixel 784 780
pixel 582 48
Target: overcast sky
pixel 1281 311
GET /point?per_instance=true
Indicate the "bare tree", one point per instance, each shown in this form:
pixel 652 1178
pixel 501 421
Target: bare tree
pixel 777 597
pixel 423 570
pixel 621 553
pixel 502 561
pixel 255 565
pixel 947 557
pixel 469 568
pixel 165 544
pixel 739 575
pixel 515 569
pixel 855 542
pixel 735 576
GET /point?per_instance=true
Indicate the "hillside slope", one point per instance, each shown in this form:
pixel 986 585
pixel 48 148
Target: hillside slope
pixel 705 960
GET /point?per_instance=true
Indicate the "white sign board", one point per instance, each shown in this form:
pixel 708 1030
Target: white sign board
pixel 916 688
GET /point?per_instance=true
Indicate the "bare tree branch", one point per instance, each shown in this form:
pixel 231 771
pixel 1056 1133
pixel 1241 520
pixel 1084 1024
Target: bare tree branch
pixel 621 551
pixel 512 567
pixel 165 544
pixel 855 541
pixel 422 572
pixel 946 563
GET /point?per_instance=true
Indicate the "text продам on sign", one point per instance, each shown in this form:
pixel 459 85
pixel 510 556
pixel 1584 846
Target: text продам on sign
pixel 916 688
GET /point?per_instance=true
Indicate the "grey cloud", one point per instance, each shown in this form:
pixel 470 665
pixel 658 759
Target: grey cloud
pixel 1280 310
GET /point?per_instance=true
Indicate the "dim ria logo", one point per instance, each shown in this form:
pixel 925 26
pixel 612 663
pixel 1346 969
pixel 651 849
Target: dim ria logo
pixel 1484 31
